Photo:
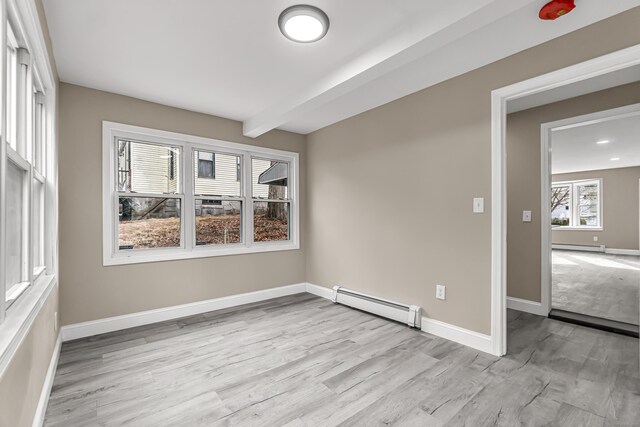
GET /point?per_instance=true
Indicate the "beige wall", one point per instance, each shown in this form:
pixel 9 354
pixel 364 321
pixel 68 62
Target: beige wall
pixel 22 381
pixel 619 209
pixel 47 38
pixel 523 181
pixel 90 291
pixel 391 189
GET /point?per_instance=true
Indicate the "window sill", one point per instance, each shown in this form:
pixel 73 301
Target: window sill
pixel 15 292
pixel 561 228
pixel 20 317
pixel 159 255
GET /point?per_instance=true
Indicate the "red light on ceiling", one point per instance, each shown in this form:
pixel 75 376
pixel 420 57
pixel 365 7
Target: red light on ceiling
pixel 556 8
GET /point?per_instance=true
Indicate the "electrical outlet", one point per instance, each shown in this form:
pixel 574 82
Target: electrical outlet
pixel 440 292
pixel 55 321
pixel 595 238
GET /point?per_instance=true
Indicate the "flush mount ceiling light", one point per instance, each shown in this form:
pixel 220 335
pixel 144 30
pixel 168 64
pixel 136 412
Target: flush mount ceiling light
pixel 606 141
pixel 303 23
pixel 614 159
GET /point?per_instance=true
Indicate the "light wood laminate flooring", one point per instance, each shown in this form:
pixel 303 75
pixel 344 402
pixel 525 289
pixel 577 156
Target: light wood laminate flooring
pixel 304 361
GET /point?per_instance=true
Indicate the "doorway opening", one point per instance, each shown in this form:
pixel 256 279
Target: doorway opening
pixel 608 71
pixel 590 175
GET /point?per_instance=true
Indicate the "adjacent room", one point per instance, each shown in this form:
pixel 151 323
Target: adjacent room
pixel 595 216
pixel 358 213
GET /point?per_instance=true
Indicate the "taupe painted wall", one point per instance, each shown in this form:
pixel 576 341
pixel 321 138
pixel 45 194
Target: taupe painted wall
pixel 391 189
pixel 524 176
pixel 90 291
pixel 22 381
pixel 619 207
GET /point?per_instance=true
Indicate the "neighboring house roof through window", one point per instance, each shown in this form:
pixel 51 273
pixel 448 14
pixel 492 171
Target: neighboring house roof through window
pixel 277 174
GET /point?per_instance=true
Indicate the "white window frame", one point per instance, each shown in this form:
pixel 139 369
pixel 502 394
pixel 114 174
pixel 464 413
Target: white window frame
pixel 112 131
pixel 31 295
pixel 574 203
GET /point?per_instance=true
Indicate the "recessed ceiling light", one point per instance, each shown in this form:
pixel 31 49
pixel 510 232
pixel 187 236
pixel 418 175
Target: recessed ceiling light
pixel 606 141
pixel 614 159
pixel 303 23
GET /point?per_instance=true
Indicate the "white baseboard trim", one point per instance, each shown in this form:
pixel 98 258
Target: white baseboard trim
pixel 527 306
pixel 95 327
pixel 444 330
pixel 613 251
pixel 457 334
pixel 38 419
pixel 601 248
pixel 320 291
pixel 583 248
pixel 111 324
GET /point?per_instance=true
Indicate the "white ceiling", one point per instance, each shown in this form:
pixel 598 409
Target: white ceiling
pixel 228 58
pixel 576 149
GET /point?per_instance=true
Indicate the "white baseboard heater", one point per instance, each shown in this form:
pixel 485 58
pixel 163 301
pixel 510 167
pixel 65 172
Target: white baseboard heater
pixel 409 314
pixel 584 248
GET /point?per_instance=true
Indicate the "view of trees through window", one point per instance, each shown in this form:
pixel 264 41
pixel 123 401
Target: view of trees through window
pixel 561 205
pixel 575 204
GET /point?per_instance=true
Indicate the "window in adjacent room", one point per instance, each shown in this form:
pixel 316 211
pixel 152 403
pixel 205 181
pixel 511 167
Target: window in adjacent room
pixel 577 204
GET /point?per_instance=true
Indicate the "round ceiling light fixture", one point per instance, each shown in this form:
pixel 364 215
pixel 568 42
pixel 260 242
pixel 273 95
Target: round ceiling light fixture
pixel 303 23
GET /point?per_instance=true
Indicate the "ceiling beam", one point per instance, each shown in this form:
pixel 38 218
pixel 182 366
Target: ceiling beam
pixel 413 42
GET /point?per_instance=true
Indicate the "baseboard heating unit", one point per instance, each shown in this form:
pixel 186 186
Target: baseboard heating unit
pixel 583 248
pixel 409 314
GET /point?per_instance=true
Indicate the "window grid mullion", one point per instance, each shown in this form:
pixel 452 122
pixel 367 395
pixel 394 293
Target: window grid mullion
pixel 150 195
pixel 22 142
pixel 248 195
pixel 28 224
pixel 188 210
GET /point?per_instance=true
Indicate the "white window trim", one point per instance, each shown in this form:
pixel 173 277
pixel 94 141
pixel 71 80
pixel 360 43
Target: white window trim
pixel 111 254
pixel 16 322
pixel 575 212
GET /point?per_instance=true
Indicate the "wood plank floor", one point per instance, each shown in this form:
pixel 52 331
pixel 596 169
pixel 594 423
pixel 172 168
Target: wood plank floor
pixel 597 284
pixel 303 361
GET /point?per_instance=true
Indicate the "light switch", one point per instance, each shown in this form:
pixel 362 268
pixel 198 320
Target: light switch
pixel 526 216
pixel 478 205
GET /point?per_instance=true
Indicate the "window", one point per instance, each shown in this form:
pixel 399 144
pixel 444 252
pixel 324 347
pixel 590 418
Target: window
pixel 173 196
pixel 576 204
pixel 218 201
pixel 271 202
pixel 11 76
pixel 26 144
pixel 149 196
pixel 206 165
pixel 16 277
